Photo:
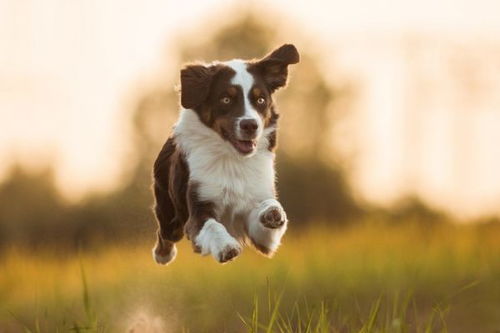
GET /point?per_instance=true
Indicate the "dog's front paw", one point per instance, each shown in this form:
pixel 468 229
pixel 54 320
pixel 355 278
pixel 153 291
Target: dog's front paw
pixel 273 217
pixel 228 253
pixel 215 240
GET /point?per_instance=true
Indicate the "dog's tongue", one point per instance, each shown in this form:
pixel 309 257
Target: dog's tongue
pixel 245 146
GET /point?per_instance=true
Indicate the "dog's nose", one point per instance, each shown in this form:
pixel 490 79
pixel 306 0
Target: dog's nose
pixel 249 126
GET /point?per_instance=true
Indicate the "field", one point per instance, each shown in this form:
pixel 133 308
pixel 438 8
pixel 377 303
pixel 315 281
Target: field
pixel 370 277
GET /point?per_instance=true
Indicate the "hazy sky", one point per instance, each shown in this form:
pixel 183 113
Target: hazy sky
pixel 68 69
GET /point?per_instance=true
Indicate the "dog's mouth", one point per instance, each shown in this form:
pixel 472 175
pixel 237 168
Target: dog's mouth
pixel 244 147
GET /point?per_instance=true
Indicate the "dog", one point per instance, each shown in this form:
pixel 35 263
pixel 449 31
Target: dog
pixel 214 178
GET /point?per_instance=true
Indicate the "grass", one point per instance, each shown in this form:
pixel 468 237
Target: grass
pixel 367 278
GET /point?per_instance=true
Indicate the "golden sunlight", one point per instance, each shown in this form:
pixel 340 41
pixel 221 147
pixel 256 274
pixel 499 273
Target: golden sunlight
pixel 426 120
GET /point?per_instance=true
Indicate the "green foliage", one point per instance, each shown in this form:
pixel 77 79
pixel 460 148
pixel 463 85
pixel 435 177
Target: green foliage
pixel 368 277
pixel 383 316
pixel 302 317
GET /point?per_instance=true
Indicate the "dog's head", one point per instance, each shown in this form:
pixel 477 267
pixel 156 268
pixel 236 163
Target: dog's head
pixel 234 98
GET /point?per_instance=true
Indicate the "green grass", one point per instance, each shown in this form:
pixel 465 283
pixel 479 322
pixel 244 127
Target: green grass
pixel 368 278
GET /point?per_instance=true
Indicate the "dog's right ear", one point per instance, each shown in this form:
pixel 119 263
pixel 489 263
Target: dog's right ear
pixel 195 85
pixel 274 66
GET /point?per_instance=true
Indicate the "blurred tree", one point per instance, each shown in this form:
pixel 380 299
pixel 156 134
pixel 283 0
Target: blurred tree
pixel 34 214
pixel 413 208
pixel 409 209
pixel 31 209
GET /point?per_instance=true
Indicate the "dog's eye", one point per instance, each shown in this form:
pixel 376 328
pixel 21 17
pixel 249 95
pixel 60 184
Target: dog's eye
pixel 261 100
pixel 225 100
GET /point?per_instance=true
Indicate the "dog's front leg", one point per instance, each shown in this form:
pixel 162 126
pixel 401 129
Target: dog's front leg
pixel 267 224
pixel 207 234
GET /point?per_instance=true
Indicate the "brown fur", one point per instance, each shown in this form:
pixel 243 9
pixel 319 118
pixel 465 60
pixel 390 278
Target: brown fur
pixel 178 208
pixel 200 211
pixel 171 176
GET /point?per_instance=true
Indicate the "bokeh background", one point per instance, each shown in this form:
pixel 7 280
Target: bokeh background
pixel 388 166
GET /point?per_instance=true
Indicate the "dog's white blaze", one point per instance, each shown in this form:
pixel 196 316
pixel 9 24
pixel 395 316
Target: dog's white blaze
pixel 244 79
pixel 214 239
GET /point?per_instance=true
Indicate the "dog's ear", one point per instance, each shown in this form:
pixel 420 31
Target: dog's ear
pixel 274 66
pixel 195 85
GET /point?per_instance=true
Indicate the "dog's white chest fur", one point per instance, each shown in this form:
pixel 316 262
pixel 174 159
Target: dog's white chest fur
pixel 235 184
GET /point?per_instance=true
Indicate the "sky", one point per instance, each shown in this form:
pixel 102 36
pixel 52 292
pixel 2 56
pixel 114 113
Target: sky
pixel 69 69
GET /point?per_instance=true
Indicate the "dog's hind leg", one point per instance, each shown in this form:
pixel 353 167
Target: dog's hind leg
pixel 170 181
pixel 167 234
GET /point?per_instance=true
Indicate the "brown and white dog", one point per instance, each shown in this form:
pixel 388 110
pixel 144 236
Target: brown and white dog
pixel 214 178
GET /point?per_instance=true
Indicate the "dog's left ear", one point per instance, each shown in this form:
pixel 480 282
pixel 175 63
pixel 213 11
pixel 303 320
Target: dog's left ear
pixel 274 66
pixel 195 84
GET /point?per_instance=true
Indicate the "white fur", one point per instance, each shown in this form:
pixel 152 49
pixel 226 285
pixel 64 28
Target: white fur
pixel 227 178
pixel 244 79
pixel 240 186
pixel 270 238
pixel 214 239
